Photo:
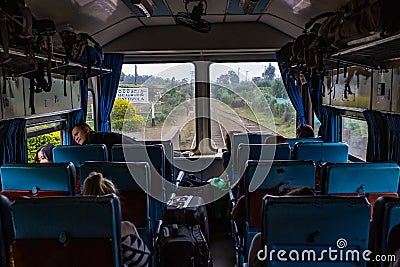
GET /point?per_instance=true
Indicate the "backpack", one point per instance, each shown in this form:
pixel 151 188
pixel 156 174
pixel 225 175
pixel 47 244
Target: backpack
pixel 77 49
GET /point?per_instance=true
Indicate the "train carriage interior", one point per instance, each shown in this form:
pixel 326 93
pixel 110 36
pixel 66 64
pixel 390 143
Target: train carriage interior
pixel 232 132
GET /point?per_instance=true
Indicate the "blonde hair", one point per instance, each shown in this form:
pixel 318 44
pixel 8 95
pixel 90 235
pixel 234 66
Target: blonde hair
pixel 96 185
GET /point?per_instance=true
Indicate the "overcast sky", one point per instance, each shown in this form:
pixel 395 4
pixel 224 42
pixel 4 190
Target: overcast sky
pixel 180 71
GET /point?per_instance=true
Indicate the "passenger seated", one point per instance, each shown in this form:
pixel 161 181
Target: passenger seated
pixel 227 153
pixel 256 242
pixel 275 139
pixel 44 154
pixel 134 250
pixel 304 131
pixel 83 134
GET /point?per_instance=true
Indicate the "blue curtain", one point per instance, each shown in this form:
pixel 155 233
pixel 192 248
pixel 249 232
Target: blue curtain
pixel 76 116
pixel 330 124
pixel 294 93
pixel 13 145
pixel 315 84
pixel 378 136
pixel 393 121
pixel 109 86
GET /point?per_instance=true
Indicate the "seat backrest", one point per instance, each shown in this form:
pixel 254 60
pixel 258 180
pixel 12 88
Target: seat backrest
pixel 372 179
pixel 169 156
pixel 360 177
pixel 132 181
pixel 64 228
pixel 38 180
pixel 293 141
pixel 247 152
pixel 321 152
pixel 153 154
pixel 6 231
pixel 273 177
pixel 385 217
pixel 311 223
pixel 78 154
pixel 242 138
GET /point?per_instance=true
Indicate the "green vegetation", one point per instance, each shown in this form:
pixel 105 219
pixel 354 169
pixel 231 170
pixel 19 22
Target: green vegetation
pixel 34 143
pixel 123 116
pixel 247 98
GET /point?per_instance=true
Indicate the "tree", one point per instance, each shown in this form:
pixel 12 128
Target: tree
pixel 269 73
pixel 233 77
pixel 122 77
pixel 278 89
pixel 123 116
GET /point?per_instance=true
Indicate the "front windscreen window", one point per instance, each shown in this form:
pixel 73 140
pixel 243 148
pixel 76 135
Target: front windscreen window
pixel 249 97
pixel 155 102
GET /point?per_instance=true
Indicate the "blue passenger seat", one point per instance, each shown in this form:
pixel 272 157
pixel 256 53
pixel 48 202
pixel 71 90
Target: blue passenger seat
pixel 247 152
pixel 38 180
pixel 7 232
pixel 371 179
pixel 272 177
pixel 152 154
pixel 78 154
pixel 132 181
pixel 293 141
pixel 385 218
pixel 321 152
pixel 66 231
pixel 242 138
pixel 313 225
pixel 170 174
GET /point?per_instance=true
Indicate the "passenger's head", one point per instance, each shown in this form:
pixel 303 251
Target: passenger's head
pixel 80 133
pixel 304 131
pixel 301 191
pixel 96 185
pixel 45 154
pixel 275 139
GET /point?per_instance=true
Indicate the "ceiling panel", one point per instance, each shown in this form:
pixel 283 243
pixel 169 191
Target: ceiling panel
pixel 82 15
pixel 154 21
pixel 241 18
pixel 214 18
pixel 118 30
pixel 279 24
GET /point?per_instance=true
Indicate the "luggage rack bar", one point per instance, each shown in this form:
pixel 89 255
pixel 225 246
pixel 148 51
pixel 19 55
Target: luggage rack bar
pixel 21 64
pixel 375 54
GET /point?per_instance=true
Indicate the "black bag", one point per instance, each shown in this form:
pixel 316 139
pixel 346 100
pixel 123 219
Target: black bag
pixel 182 246
pixel 78 49
pixel 189 210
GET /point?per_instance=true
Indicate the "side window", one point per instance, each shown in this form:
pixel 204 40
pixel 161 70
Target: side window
pixel 43 134
pixel 355 134
pixel 90 110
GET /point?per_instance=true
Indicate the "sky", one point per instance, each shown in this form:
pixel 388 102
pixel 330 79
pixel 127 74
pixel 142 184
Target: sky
pixel 186 70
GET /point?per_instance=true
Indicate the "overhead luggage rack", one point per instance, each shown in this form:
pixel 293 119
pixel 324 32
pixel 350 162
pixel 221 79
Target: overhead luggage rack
pixel 21 64
pixel 375 54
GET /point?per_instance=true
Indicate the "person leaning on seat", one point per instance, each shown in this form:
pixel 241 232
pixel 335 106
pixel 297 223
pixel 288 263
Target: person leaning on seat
pixel 134 251
pixel 83 134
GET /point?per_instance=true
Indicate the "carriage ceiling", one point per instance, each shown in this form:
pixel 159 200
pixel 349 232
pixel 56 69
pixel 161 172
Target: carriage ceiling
pixel 121 26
